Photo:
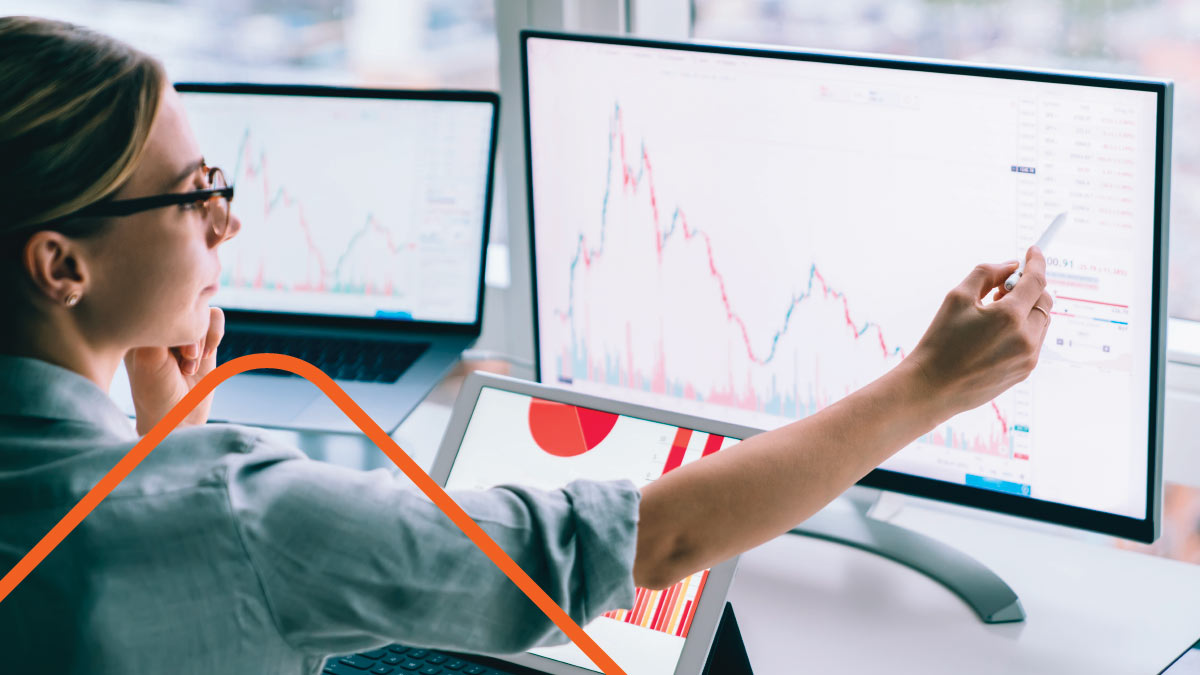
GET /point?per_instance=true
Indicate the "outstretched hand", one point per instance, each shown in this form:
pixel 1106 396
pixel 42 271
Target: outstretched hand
pixel 972 352
pixel 159 377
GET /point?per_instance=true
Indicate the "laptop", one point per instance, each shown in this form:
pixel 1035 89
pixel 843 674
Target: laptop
pixel 507 431
pixel 365 217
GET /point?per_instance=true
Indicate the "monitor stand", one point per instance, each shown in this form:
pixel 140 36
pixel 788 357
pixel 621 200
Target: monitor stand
pixel 992 599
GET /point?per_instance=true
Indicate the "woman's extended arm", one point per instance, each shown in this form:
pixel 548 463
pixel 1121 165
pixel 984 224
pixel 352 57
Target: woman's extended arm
pixel 710 510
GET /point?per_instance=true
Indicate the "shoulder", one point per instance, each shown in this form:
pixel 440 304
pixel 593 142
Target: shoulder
pixel 208 453
pixel 219 441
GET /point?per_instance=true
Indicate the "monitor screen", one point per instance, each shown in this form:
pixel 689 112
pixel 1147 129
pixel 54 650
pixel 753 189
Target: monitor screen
pixel 751 235
pixel 519 439
pixel 351 205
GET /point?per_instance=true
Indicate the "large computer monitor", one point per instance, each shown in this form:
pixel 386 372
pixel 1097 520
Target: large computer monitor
pixel 750 234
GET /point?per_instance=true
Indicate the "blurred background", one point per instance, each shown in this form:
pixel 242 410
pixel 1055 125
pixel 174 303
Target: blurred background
pixel 453 43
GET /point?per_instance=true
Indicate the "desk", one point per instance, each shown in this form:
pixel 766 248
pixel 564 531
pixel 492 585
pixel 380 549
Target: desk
pixel 1091 608
pixel 810 606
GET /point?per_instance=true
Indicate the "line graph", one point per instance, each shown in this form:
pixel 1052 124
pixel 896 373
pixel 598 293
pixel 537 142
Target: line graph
pixel 364 265
pixel 752 238
pixel 631 180
pixel 758 353
pixel 350 205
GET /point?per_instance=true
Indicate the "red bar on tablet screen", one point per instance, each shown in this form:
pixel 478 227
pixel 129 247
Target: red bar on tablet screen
pixel 712 445
pixel 678 447
pixel 691 612
pixel 683 620
pixel 658 611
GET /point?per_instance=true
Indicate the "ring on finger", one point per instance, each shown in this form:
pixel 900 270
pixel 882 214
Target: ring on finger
pixel 1043 311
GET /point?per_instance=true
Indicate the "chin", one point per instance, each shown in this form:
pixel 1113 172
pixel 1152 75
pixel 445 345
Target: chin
pixel 197 323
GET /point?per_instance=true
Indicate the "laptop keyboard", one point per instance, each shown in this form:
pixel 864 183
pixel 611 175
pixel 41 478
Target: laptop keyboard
pixel 399 660
pixel 339 358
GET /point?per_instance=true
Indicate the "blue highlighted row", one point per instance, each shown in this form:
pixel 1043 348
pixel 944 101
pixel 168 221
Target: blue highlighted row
pixel 381 314
pixel 998 485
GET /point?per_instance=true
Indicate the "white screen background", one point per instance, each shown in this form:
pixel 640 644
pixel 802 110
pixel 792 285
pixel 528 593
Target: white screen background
pixel 751 239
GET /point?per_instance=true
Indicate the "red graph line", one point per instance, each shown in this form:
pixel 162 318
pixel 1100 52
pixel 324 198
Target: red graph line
pixel 275 198
pixel 631 180
pixel 270 202
pixel 1094 302
pixel 1000 416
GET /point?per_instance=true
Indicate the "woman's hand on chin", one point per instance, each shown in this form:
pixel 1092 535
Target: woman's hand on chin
pixel 160 376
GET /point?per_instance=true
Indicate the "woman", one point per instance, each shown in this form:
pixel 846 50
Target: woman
pixel 225 552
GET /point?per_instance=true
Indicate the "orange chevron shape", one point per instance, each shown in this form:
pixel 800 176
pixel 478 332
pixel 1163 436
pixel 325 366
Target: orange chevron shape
pixel 368 426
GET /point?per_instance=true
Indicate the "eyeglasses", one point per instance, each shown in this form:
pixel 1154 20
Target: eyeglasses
pixel 213 203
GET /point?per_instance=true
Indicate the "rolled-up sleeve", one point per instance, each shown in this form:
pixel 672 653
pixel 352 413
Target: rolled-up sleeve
pixel 349 559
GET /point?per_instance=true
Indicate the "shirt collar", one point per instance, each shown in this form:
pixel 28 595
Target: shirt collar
pixel 39 389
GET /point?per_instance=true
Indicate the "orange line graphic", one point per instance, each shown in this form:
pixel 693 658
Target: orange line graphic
pixel 368 426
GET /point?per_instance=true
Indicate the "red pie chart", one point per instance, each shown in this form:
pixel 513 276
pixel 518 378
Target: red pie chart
pixel 565 430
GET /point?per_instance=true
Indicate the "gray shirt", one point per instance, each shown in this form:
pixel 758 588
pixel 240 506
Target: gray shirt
pixel 227 552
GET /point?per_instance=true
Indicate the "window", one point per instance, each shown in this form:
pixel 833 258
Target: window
pixel 422 43
pixel 379 43
pixel 1155 38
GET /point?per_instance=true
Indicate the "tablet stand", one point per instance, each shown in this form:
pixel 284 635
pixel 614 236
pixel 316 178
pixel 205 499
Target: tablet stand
pixel 728 654
pixel 992 599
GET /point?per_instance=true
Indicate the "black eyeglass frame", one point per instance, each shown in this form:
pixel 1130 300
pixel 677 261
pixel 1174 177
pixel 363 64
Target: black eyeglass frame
pixel 127 207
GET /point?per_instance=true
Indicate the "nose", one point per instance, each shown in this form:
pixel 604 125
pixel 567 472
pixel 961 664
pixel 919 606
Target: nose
pixel 231 230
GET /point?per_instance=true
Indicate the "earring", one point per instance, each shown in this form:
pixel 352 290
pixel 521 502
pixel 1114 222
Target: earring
pixel 71 300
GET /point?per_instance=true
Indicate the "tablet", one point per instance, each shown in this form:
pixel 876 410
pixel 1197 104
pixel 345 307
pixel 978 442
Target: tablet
pixel 504 430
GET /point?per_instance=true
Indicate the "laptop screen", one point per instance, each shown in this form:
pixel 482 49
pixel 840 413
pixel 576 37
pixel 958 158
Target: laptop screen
pixel 519 439
pixel 354 205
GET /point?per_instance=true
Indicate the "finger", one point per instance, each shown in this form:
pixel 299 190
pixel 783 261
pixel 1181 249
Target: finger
pixel 1039 313
pixel 987 276
pixel 1001 291
pixel 216 331
pixel 1032 282
pixel 150 358
pixel 177 354
pixel 189 364
pixel 1041 339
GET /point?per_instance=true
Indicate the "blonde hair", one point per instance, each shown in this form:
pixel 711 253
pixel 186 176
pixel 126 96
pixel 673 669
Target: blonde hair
pixel 76 108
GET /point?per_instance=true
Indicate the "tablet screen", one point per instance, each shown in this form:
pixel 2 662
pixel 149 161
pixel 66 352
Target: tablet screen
pixel 521 439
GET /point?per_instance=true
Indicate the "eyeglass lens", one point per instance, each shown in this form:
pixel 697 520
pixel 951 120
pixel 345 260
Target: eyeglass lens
pixel 217 207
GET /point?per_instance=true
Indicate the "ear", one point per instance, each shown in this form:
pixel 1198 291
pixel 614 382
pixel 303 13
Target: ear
pixel 56 266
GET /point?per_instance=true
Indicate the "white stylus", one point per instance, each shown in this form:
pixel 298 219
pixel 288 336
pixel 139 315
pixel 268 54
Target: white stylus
pixel 1042 243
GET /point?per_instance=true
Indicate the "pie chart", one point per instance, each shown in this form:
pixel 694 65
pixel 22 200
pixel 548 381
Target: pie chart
pixel 565 430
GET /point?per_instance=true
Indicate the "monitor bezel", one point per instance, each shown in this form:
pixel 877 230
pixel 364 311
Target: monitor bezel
pixel 1137 529
pixel 381 326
